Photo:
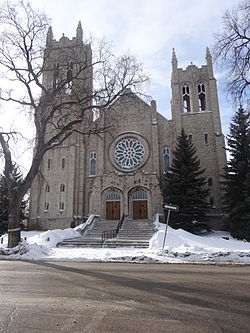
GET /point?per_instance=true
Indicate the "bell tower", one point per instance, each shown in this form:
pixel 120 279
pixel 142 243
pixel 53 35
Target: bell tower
pixel 195 108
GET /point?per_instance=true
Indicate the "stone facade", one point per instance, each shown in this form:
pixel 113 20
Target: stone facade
pixel 121 171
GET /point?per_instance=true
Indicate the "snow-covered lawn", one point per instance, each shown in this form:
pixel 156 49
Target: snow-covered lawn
pixel 180 247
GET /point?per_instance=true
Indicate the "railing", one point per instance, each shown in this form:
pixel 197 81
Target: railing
pixel 107 234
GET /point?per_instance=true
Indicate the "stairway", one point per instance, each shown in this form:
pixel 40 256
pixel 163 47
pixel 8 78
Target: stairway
pixel 134 233
pixel 93 236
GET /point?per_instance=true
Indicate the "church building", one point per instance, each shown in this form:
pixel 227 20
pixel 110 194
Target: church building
pixel 121 171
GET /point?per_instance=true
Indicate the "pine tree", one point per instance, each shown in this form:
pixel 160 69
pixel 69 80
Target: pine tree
pixel 185 187
pixel 4 200
pixel 237 176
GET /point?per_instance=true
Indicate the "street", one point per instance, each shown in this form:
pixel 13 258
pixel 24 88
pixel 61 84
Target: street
pixel 123 297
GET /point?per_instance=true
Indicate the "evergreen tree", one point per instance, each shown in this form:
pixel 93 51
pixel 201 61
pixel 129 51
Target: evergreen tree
pixel 237 176
pixel 4 200
pixel 185 187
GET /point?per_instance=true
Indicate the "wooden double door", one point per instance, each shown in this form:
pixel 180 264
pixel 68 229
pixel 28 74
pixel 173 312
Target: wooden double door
pixel 113 210
pixel 140 209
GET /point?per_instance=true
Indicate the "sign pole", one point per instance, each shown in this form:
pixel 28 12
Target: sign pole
pixel 166 230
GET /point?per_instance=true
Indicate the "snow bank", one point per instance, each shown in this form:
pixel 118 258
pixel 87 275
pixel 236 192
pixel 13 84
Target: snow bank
pixel 180 247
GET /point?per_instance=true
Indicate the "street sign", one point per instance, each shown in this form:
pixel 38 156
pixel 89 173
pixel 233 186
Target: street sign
pixel 173 208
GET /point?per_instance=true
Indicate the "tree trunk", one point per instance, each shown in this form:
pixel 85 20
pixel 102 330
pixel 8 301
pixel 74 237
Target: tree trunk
pixel 14 234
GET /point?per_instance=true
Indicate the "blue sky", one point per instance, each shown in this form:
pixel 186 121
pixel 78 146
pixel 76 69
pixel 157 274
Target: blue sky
pixel 149 29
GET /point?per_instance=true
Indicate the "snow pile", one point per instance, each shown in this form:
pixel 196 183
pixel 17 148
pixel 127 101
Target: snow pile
pixel 180 247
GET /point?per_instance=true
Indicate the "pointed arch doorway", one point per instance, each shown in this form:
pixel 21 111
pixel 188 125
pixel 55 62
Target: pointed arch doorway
pixel 139 200
pixel 113 205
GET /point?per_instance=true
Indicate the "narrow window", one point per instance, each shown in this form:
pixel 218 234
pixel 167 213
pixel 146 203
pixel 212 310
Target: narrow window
pixel 190 137
pixel 166 159
pixel 46 207
pixel 212 203
pixel 92 164
pixel 47 188
pixel 49 164
pixel 206 138
pixel 63 163
pixel 202 97
pixel 62 197
pixel 69 77
pixel 186 99
pixel 56 76
pixel 210 182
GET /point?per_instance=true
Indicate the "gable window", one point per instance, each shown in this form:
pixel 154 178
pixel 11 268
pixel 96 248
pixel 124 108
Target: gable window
pixel 165 159
pixel 202 97
pixel 186 98
pixel 92 164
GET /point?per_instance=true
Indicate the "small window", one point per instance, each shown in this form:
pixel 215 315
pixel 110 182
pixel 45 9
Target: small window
pixel 206 138
pixel 165 159
pixel 190 137
pixel 186 99
pixel 210 182
pixel 63 163
pixel 46 206
pixel 92 164
pixel 49 164
pixel 47 188
pixel 212 203
pixel 202 97
pixel 62 188
pixel 61 206
pixel 56 76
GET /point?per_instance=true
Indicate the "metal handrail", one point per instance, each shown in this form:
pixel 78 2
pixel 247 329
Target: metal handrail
pixel 107 234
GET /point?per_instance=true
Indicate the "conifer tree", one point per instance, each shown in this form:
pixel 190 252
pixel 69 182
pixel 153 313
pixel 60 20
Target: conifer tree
pixel 237 176
pixel 185 187
pixel 4 200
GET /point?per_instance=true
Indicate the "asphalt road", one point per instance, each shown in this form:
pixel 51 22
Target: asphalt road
pixel 105 297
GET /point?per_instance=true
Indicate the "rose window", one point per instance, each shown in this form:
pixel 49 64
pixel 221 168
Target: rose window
pixel 129 153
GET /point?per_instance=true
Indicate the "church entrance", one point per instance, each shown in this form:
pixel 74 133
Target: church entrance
pixel 140 205
pixel 113 205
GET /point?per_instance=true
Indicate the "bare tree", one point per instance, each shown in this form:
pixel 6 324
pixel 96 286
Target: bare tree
pixel 93 82
pixel 232 50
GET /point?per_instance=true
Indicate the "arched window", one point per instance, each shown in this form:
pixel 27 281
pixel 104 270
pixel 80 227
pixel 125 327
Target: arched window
pixel 56 76
pixel 62 198
pixel 165 159
pixel 62 188
pixel 202 97
pixel 113 196
pixel 63 163
pixel 186 98
pixel 46 201
pixel 92 164
pixel 210 182
pixel 69 77
pixel 212 203
pixel 139 195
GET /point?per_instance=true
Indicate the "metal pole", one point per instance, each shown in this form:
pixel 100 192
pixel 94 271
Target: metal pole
pixel 166 230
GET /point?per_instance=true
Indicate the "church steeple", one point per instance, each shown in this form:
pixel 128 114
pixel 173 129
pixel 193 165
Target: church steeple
pixel 174 66
pixel 50 37
pixel 209 62
pixel 79 32
pixel 174 61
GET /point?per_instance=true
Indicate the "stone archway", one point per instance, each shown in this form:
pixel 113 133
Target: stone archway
pixel 138 198
pixel 112 203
